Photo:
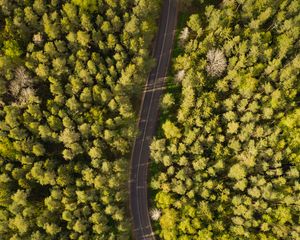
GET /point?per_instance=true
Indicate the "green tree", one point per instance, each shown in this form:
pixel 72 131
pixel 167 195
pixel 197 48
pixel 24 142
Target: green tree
pixel 170 130
pixel 51 27
pixel 83 38
pixel 38 149
pixel 88 5
pixel 11 48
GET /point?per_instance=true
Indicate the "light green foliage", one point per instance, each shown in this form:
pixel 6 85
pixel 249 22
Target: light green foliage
pixel 167 221
pixel 237 171
pixel 11 48
pixel 230 146
pixel 69 74
pixel 89 5
pixel 38 150
pixel 83 38
pixel 170 130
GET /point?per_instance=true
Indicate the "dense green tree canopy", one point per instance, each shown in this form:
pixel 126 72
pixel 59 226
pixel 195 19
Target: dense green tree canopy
pixel 227 153
pixel 70 72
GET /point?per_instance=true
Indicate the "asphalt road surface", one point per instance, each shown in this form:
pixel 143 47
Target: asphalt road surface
pixel 142 229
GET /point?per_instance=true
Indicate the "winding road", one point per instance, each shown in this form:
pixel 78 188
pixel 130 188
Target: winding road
pixel 138 185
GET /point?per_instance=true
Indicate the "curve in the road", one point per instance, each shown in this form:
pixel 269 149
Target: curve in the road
pixel 142 229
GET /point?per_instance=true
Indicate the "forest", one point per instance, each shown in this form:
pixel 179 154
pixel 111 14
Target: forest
pixel 71 73
pixel 226 156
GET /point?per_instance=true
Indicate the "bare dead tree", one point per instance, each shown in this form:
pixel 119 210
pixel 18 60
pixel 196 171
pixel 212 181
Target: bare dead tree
pixel 22 77
pixel 21 87
pixel 180 75
pixel 155 214
pixel 14 88
pixel 37 38
pixel 216 62
pixel 26 94
pixel 184 34
pixel 22 80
